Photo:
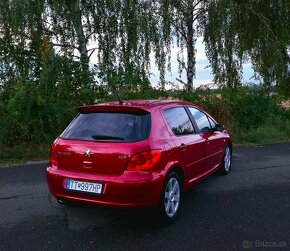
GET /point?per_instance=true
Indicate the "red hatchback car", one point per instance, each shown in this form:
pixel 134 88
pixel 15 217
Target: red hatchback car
pixel 141 153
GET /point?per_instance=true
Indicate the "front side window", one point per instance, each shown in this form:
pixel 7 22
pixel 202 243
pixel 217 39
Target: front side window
pixel 109 126
pixel 201 119
pixel 212 123
pixel 178 121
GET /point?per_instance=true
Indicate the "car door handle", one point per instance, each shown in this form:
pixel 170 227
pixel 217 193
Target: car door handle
pixel 182 146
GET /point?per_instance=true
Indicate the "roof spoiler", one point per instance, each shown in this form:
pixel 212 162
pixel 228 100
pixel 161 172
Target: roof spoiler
pixel 111 108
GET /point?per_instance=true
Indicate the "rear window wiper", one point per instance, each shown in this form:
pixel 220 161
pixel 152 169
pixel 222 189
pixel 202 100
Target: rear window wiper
pixel 106 137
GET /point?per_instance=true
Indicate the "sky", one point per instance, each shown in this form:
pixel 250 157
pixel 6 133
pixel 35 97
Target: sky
pixel 203 74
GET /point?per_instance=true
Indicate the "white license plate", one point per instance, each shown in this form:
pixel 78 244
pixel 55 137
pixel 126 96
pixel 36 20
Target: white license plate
pixel 82 186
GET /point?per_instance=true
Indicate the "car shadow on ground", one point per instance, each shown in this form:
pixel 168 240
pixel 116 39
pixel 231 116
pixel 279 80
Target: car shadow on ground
pixel 79 216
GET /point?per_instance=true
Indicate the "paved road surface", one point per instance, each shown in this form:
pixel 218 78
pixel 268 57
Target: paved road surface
pixel 248 209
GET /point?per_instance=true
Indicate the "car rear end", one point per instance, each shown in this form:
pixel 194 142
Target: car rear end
pixel 105 156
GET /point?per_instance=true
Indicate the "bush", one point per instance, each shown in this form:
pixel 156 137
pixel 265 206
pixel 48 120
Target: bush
pixel 251 117
pixel 32 116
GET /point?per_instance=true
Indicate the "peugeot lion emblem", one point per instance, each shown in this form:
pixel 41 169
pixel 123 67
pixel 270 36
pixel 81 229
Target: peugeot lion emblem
pixel 88 153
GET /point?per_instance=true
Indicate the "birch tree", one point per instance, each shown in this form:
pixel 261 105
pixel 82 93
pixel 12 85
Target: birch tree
pixel 255 31
pixel 183 22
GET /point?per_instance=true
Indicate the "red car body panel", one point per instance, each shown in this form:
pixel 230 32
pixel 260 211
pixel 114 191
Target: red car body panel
pixel 193 156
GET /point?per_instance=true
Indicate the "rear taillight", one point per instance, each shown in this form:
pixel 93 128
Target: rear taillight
pixel 53 156
pixel 144 160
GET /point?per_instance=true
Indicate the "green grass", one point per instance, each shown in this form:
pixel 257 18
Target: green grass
pixel 274 129
pixel 262 135
pixel 19 154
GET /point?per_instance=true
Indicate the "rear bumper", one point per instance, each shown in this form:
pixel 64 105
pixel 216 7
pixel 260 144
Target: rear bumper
pixel 131 189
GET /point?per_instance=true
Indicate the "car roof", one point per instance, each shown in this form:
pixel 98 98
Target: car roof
pixel 145 103
pixel 132 105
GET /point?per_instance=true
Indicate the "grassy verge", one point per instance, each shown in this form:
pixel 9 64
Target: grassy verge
pixel 19 154
pixel 263 135
pixel 274 129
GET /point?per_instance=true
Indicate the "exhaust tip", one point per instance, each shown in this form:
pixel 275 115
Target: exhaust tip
pixel 60 201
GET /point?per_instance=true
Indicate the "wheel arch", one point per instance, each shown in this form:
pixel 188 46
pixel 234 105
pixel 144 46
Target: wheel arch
pixel 230 145
pixel 179 171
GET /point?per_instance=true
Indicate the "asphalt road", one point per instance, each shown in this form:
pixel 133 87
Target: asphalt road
pixel 248 209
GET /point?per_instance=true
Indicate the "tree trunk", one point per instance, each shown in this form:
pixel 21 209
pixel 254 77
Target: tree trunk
pixel 190 47
pixel 82 42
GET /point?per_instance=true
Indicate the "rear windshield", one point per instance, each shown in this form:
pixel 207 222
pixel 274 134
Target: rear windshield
pixel 108 126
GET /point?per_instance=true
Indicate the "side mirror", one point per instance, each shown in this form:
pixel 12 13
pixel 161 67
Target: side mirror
pixel 205 130
pixel 219 127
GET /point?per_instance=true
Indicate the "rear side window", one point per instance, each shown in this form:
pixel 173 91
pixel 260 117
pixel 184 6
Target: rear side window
pixel 108 126
pixel 178 121
pixel 200 119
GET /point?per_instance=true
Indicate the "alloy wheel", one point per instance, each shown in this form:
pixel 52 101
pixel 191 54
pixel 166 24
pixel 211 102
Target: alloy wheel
pixel 172 197
pixel 227 159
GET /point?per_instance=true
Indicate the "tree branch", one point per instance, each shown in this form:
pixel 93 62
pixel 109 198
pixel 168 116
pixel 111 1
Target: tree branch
pixel 181 81
pixel 197 3
pixel 87 37
pixel 92 51
pixel 182 64
pixel 181 31
pixel 265 21
pixel 63 45
pixel 198 14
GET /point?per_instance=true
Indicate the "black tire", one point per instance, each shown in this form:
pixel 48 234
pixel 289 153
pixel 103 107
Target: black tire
pixel 226 164
pixel 169 204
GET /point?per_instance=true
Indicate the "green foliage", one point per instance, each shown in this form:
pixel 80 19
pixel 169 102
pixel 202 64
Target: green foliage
pixel 236 31
pixel 32 120
pixel 265 134
pixel 23 152
pixel 46 47
pixel 182 23
pixel 37 112
pixel 251 117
